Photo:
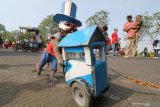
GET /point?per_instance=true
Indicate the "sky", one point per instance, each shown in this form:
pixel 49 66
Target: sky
pixel 15 13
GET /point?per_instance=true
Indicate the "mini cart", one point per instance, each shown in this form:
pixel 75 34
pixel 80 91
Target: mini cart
pixel 85 72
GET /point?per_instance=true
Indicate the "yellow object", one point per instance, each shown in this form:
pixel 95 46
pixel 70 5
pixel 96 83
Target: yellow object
pixel 140 82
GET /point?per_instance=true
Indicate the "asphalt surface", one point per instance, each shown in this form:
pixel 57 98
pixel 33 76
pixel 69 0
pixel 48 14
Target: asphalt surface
pixel 19 86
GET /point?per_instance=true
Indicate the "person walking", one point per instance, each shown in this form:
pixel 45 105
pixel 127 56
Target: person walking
pixel 114 41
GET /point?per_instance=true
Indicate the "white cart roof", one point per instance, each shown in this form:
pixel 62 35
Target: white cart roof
pixel 83 37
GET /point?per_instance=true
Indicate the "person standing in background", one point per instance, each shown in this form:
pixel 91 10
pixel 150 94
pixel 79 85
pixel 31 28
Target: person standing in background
pixel 145 51
pixel 6 43
pixel 155 42
pixel 38 39
pixel 108 42
pixel 118 47
pixel 1 41
pixel 103 29
pixel 130 33
pixel 137 26
pixel 114 41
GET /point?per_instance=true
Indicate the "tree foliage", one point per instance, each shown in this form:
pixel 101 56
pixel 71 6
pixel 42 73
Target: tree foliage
pixel 2 28
pixel 151 26
pixel 99 18
pixel 47 26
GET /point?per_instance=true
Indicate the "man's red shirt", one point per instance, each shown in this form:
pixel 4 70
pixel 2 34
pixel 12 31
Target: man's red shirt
pixel 114 38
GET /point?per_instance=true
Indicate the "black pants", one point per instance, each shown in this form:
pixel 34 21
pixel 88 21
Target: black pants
pixel 39 46
pixel 155 52
pixel 145 54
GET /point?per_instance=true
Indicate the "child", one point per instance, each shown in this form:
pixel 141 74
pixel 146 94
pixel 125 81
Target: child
pixel 137 25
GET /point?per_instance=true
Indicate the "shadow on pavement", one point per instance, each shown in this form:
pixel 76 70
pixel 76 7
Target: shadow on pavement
pixel 115 94
pixel 17 53
pixel 6 66
pixel 10 90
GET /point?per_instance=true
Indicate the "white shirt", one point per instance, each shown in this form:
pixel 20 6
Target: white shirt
pixel 158 46
pixel 38 38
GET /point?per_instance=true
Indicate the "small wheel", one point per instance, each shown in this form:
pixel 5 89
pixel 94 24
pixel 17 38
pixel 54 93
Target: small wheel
pixel 80 95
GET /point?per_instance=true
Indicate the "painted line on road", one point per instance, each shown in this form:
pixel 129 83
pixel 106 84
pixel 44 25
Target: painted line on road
pixel 141 104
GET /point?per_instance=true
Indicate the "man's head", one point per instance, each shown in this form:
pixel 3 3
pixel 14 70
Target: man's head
pixel 103 28
pixel 66 27
pixel 37 32
pixel 105 35
pixel 115 30
pixel 129 18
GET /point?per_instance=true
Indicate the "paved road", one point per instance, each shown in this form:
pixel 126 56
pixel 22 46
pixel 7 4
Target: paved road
pixel 20 88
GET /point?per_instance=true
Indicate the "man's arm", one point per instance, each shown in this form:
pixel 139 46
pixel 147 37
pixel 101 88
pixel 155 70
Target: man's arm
pixel 137 25
pixel 125 28
pixel 57 53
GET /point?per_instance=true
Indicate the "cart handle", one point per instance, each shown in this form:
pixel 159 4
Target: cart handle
pixel 65 65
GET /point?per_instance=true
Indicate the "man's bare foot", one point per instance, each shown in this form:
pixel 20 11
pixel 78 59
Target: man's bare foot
pixel 54 80
pixel 34 70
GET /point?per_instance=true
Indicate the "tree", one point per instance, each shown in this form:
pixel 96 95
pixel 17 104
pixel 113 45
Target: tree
pixel 47 26
pixel 13 35
pixel 99 18
pixel 151 26
pixel 2 28
pixel 156 24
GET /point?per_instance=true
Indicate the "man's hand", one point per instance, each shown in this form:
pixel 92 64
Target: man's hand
pixel 57 53
pixel 61 63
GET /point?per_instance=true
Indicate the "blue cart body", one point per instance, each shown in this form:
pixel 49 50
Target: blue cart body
pixel 82 64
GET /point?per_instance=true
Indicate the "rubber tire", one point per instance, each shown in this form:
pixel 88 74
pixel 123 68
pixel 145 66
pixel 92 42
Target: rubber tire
pixel 88 99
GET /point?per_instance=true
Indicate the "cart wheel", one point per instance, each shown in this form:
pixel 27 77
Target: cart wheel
pixel 80 95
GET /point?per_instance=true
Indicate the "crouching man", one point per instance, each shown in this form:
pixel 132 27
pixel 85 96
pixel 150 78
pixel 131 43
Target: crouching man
pixel 67 24
pixel 52 53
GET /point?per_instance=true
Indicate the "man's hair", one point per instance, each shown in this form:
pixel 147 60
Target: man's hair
pixel 139 15
pixel 106 34
pixel 105 28
pixel 37 32
pixel 129 16
pixel 115 29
